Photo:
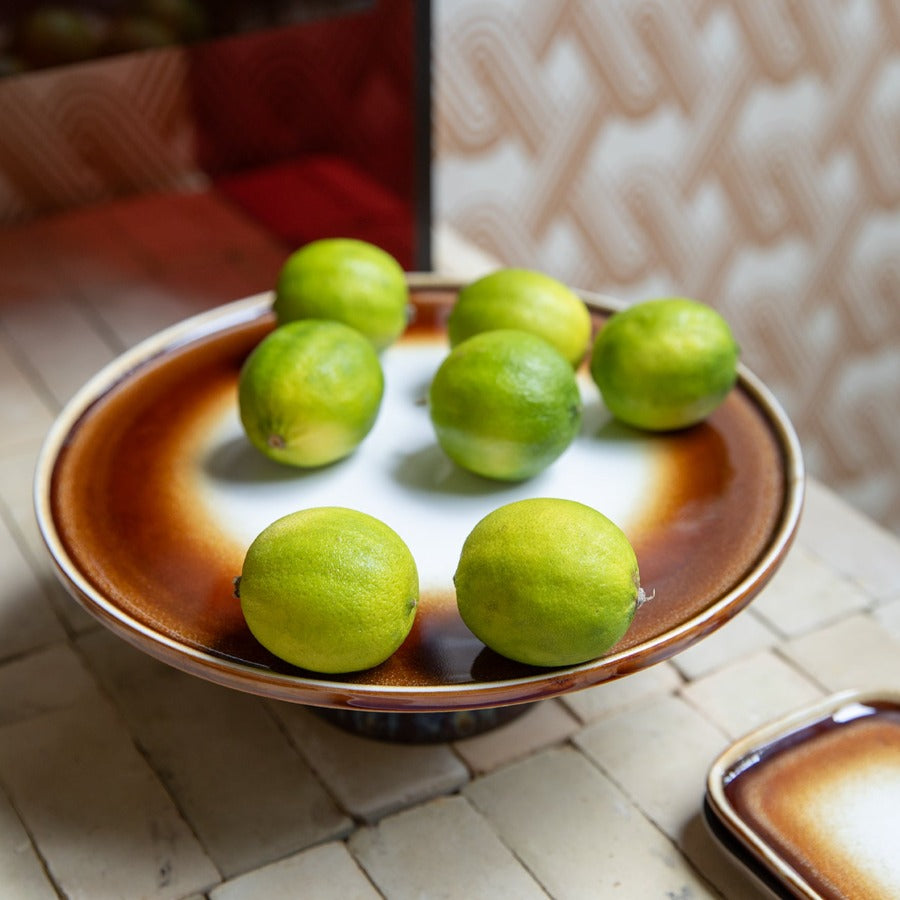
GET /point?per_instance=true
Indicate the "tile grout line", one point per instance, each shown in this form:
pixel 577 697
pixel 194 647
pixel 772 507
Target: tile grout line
pixel 283 730
pixel 29 372
pixel 91 315
pixel 779 651
pixel 21 544
pixel 104 331
pixel 702 876
pixel 362 871
pixel 523 863
pixel 144 754
pixel 42 860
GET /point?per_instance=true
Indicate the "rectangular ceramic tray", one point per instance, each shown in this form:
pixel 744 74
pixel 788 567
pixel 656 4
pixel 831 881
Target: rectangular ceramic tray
pixel 811 803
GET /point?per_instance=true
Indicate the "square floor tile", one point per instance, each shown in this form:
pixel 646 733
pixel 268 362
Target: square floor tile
pixel 548 723
pixel 27 620
pixel 577 833
pixel 850 542
pixel 245 790
pixel 26 410
pixel 751 692
pixel 320 873
pixel 104 824
pixel 45 680
pixel 441 849
pixel 55 334
pixel 659 753
pixel 21 871
pixel 371 778
pixel 612 696
pixel 806 593
pixel 856 652
pixel 743 635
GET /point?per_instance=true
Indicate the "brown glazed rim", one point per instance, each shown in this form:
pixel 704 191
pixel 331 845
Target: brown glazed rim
pixel 387 697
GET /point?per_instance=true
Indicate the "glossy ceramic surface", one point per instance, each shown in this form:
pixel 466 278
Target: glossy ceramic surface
pixel 811 803
pixel 147 495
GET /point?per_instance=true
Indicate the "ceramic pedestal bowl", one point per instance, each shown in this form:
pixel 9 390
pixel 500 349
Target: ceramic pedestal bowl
pixel 147 494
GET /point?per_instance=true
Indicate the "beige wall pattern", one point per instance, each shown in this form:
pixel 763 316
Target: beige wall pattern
pixel 93 132
pixel 744 152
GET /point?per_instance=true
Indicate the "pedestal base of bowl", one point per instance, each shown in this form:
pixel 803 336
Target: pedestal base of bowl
pixel 422 727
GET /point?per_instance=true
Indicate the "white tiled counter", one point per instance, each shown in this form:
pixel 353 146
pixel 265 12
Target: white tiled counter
pixel 122 777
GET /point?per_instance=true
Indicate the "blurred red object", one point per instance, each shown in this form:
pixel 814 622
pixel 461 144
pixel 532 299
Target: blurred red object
pixel 319 129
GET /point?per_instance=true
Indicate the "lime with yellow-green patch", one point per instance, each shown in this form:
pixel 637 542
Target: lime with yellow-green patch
pixel 347 280
pixel 329 589
pixel 548 582
pixel 664 364
pixel 309 392
pixel 526 300
pixel 504 404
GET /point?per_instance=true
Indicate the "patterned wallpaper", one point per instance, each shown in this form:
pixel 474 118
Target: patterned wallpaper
pixel 95 131
pixel 743 152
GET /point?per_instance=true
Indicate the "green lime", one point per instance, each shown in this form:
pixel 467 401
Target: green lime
pixel 504 404
pixel 527 300
pixel 547 582
pixel 664 364
pixel 309 392
pixel 348 280
pixel 329 589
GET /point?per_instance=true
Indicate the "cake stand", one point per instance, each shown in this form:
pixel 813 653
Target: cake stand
pixel 147 495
